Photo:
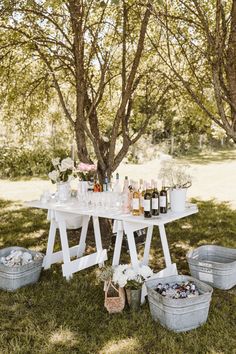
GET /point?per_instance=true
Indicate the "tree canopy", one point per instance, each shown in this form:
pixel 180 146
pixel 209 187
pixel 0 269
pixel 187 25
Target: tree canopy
pixel 113 66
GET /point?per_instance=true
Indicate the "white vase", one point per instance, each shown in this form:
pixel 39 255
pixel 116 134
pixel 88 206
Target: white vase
pixel 178 199
pixel 63 189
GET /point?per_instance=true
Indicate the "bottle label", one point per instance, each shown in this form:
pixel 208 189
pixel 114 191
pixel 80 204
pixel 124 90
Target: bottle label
pixel 135 203
pixel 163 202
pixel 155 203
pixel 147 205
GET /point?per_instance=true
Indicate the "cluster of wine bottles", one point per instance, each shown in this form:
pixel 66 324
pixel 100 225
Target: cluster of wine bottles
pixel 107 186
pixel 144 198
pixel 138 198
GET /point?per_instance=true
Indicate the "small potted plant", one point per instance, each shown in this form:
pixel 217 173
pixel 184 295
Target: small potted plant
pixel 178 181
pixel 132 279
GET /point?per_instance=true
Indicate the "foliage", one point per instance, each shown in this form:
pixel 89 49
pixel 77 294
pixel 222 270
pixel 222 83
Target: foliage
pixel 22 161
pixel 198 47
pixel 90 55
pixel 56 316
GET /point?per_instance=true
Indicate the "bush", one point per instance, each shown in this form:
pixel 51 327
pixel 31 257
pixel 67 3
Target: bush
pixel 26 162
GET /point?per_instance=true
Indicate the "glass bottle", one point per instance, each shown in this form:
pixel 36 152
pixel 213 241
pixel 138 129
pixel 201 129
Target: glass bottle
pixel 125 196
pixel 117 186
pixel 163 200
pixel 97 187
pixel 142 195
pixel 135 200
pixel 147 203
pixel 105 184
pixel 155 200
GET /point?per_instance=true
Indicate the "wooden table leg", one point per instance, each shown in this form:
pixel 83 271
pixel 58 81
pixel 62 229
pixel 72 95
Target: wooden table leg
pixel 50 246
pixel 165 246
pixel 65 246
pixel 147 245
pixel 82 243
pixel 118 244
pixel 131 243
pixel 97 234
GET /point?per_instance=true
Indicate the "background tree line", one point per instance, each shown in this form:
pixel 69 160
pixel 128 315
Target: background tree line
pixel 117 69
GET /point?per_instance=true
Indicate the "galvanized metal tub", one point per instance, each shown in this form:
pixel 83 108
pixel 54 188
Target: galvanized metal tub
pixel 179 315
pixel 12 278
pixel 214 265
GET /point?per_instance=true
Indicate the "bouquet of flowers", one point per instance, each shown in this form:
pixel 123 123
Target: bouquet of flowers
pixel 133 278
pixel 176 175
pixel 86 171
pixel 63 170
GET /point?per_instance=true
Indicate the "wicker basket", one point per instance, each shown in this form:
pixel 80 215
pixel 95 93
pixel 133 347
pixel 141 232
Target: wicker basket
pixel 116 302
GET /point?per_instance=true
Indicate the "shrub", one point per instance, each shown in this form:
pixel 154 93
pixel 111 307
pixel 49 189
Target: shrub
pixel 27 162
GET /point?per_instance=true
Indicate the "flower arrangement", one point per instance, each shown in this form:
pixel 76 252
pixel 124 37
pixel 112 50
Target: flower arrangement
pixel 86 171
pixel 133 278
pixel 63 170
pixel 176 175
pixel 124 275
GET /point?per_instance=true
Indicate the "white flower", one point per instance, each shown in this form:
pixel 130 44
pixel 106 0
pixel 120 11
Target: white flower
pixel 131 274
pixel 119 276
pixel 145 272
pixel 67 164
pixel 54 175
pixel 121 280
pixel 56 161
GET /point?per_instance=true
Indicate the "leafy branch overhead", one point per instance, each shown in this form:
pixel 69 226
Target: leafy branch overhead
pixel 199 47
pixel 92 54
pixel 115 65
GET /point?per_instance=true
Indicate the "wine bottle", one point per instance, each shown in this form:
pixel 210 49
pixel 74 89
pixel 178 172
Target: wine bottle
pixel 155 200
pixel 147 203
pixel 135 200
pixel 163 200
pixel 142 192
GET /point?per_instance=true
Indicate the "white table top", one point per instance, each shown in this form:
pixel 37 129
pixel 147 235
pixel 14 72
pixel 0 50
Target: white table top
pixel 73 207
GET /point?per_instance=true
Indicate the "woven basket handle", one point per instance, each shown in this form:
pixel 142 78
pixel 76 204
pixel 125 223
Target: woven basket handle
pixel 107 286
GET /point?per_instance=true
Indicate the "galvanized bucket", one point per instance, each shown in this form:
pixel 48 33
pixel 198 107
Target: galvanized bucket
pixel 179 315
pixel 12 278
pixel 214 265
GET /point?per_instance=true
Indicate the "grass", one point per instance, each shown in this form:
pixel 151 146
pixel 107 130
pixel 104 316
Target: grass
pixel 55 316
pixel 206 157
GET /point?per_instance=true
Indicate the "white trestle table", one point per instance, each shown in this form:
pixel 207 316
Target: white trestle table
pixel 123 223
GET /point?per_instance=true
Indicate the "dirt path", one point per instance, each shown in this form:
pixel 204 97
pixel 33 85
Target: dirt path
pixel 213 180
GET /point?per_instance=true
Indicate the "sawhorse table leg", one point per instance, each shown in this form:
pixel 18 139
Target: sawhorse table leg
pixel 82 262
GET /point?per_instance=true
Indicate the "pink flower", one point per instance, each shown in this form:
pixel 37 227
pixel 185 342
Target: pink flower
pixel 85 167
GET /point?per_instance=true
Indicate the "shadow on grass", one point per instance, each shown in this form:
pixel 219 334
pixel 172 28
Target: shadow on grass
pixel 209 157
pixel 56 316
pixel 214 224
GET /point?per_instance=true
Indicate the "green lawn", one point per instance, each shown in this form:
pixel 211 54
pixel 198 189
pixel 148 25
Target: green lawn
pixel 55 316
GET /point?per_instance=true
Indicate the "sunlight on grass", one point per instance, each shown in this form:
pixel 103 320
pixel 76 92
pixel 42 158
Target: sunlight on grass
pixel 186 226
pixel 128 345
pixel 56 316
pixel 183 245
pixel 64 337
